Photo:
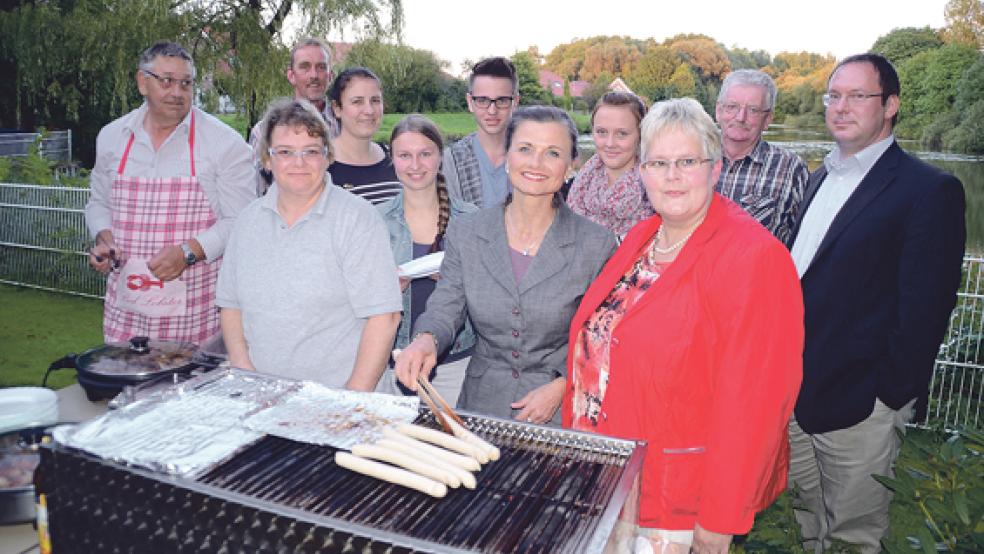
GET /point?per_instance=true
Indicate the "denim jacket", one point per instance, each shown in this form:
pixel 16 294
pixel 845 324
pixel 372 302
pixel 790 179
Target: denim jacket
pixel 401 242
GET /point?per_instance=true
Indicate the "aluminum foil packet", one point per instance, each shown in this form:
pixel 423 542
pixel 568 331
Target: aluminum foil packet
pixel 340 418
pixel 183 430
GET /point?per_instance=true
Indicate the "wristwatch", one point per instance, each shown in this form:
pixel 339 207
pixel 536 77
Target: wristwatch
pixel 189 254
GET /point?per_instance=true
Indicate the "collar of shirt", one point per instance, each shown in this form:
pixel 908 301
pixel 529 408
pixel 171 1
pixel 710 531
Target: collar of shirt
pixel 483 158
pixel 269 200
pixel 135 124
pixel 757 154
pixel 861 162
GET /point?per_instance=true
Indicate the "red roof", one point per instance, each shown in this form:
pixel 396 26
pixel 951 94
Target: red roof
pixel 555 84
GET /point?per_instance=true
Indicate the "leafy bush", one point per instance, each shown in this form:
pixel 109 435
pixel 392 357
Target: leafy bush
pixel 943 482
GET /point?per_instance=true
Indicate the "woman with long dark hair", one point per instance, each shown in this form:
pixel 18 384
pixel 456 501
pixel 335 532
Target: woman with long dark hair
pixel 361 166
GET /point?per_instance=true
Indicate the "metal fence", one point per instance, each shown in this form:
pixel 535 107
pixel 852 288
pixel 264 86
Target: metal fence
pixel 43 239
pixel 957 388
pixel 43 242
pixel 55 146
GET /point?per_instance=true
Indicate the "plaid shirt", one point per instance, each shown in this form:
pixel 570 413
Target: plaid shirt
pixel 769 184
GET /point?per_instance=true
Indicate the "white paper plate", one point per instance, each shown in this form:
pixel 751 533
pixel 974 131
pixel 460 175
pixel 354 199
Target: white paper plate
pixel 26 406
pixel 422 267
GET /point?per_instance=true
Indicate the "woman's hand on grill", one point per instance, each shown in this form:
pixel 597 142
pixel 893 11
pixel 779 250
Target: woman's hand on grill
pixel 709 542
pixel 417 359
pixel 540 404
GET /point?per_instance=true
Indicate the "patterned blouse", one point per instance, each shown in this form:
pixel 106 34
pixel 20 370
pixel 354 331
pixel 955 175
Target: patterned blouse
pixel 618 206
pixel 591 351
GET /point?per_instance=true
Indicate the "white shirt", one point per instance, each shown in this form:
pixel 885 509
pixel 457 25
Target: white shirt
pixel 843 177
pixel 223 165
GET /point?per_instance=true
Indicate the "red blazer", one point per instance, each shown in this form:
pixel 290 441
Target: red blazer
pixel 706 368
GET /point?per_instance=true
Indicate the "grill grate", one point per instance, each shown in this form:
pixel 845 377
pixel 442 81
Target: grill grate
pixel 535 498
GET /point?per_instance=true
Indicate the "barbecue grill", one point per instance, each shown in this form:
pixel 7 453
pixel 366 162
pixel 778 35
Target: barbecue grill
pixel 551 491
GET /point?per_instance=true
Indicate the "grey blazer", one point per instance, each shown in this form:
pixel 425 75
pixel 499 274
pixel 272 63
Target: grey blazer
pixel 521 329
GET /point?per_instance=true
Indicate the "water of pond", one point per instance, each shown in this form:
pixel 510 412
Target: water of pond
pixel 813 144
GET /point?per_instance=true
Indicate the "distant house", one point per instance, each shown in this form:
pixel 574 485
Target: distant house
pixel 555 84
pixel 618 85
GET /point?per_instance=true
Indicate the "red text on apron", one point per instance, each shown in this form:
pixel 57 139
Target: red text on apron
pixel 150 213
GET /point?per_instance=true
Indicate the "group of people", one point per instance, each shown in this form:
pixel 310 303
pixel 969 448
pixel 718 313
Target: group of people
pixel 691 285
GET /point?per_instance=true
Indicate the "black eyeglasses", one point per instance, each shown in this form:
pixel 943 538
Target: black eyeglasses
pixel 501 102
pixel 168 82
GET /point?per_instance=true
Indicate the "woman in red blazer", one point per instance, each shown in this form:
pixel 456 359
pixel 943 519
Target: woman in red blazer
pixel 691 338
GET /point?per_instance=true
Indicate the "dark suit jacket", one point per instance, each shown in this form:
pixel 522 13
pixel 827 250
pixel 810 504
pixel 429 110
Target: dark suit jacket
pixel 520 328
pixel 879 292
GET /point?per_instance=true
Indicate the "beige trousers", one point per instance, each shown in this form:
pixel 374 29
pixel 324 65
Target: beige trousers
pixel 830 476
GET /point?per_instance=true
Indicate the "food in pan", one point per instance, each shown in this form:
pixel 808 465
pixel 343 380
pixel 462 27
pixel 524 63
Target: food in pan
pixel 17 469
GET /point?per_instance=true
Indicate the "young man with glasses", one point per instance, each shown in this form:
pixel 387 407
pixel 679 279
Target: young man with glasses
pixel 878 246
pixel 168 181
pixel 475 165
pixel 765 180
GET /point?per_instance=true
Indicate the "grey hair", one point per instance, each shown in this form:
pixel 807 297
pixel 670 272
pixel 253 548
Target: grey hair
pixel 750 77
pixel 311 41
pixel 168 50
pixel 681 114
pixel 542 114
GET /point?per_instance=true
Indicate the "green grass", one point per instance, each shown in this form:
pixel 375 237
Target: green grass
pixel 37 328
pixel 236 121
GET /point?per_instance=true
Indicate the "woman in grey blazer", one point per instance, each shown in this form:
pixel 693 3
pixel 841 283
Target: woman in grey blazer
pixel 518 272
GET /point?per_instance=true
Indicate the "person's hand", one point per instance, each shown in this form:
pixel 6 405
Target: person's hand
pixel 417 359
pixel 540 404
pixel 709 542
pixel 104 255
pixel 404 283
pixel 436 276
pixel 168 263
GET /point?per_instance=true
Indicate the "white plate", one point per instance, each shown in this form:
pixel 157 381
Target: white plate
pixel 423 266
pixel 26 406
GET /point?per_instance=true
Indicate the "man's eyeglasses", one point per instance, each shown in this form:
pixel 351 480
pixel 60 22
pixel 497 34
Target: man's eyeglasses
pixel 685 165
pixel 304 154
pixel 853 98
pixel 168 82
pixel 732 108
pixel 501 102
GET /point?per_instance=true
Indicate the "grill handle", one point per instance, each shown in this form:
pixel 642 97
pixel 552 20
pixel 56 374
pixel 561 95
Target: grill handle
pixel 68 362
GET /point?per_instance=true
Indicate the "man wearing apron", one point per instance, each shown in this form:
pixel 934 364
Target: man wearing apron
pixel 168 182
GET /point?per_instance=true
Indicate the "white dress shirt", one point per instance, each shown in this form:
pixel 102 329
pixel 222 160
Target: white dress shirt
pixel 223 165
pixel 843 177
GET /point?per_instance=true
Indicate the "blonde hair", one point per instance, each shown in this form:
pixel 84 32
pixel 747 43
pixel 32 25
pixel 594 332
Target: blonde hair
pixel 681 114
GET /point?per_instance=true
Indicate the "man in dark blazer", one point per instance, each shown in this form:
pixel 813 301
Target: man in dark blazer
pixel 878 246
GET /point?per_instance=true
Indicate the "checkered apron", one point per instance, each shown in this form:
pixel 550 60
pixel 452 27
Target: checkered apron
pixel 148 215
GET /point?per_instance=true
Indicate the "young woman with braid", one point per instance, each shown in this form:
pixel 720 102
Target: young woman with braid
pixel 417 218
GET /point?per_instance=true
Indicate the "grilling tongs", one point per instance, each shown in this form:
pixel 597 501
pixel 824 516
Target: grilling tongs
pixel 450 422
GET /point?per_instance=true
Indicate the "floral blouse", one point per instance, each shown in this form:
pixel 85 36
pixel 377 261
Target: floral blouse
pixel 591 351
pixel 618 206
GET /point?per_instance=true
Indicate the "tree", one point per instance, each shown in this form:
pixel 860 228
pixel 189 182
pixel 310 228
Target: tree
pixel 708 58
pixel 929 85
pixel 651 77
pixel 965 23
pixel 748 59
pixel 411 77
pixel 530 91
pixel 901 44
pixel 71 63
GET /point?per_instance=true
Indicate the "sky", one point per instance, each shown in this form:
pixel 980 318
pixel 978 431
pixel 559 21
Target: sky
pixel 456 30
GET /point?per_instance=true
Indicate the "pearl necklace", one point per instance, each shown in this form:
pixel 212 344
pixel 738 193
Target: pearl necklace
pixel 660 234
